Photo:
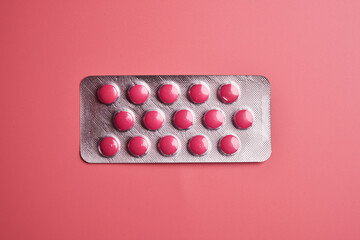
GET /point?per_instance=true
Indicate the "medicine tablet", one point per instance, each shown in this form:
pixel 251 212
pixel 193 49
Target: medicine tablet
pixel 138 94
pixel 183 119
pixel 109 146
pixel 229 144
pixel 198 145
pixel 229 93
pixel 153 120
pixel 138 146
pixel 168 93
pixel 213 119
pixel 243 119
pixel 168 145
pixel 124 121
pixel 108 94
pixel 199 93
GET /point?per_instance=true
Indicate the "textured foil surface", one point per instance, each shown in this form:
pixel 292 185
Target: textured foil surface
pixel 96 119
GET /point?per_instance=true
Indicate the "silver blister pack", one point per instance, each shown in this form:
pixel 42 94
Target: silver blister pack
pixel 97 119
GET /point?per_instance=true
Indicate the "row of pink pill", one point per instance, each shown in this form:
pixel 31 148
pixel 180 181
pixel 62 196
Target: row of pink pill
pixel 169 145
pixel 169 93
pixel 183 119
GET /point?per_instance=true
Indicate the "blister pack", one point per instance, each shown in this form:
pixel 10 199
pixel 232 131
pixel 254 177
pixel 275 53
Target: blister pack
pixel 175 119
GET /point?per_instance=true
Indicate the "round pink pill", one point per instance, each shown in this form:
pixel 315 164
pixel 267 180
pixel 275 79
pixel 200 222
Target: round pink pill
pixel 213 119
pixel 138 146
pixel 109 146
pixel 138 94
pixel 153 120
pixel 108 94
pixel 199 93
pixel 168 145
pixel 183 119
pixel 229 144
pixel 243 119
pixel 168 93
pixel 229 93
pixel 124 121
pixel 198 145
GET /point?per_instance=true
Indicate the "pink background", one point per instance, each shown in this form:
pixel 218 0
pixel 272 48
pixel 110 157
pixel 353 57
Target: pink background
pixel 308 189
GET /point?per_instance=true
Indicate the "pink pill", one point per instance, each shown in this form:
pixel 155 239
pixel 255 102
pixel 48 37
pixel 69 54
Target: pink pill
pixel 229 144
pixel 229 93
pixel 108 94
pixel 124 121
pixel 168 145
pixel 138 146
pixel 168 93
pixel 109 146
pixel 183 119
pixel 213 119
pixel 243 119
pixel 199 93
pixel 138 94
pixel 198 145
pixel 153 120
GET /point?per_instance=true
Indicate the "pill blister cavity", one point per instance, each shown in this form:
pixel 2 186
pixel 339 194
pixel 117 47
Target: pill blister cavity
pixel 109 146
pixel 138 94
pixel 243 119
pixel 213 119
pixel 138 146
pixel 199 93
pixel 168 93
pixel 198 145
pixel 124 120
pixel 168 145
pixel 183 119
pixel 153 120
pixel 229 93
pixel 229 145
pixel 108 94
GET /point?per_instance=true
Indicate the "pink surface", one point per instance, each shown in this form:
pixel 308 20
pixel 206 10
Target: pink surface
pixel 308 189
